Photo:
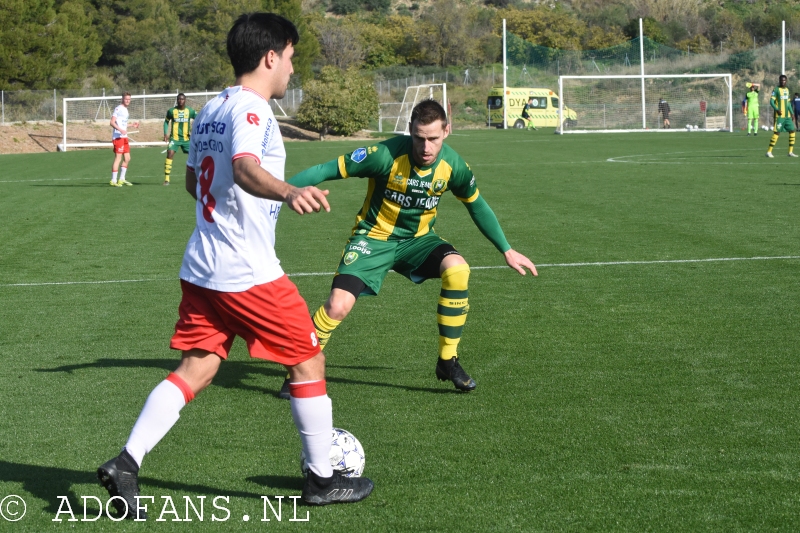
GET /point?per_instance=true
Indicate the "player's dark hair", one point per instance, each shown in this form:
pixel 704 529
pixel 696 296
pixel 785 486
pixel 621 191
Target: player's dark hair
pixel 126 93
pixel 253 35
pixel 179 96
pixel 782 77
pixel 427 112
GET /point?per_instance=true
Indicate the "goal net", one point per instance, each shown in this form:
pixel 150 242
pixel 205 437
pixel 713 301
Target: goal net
pixel 414 95
pixel 98 109
pixel 642 103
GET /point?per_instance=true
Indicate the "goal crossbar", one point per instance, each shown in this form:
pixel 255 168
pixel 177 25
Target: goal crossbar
pixel 709 125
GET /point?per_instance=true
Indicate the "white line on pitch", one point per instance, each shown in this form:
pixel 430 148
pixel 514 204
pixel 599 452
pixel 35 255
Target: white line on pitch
pixel 493 267
pixel 48 179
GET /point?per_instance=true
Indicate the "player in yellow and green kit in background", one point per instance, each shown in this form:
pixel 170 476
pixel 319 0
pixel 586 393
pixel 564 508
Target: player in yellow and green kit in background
pixel 783 116
pixel 751 107
pixel 177 129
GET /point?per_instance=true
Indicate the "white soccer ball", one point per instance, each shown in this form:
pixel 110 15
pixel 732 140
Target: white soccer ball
pixel 764 128
pixel 688 127
pixel 347 454
pixel 696 128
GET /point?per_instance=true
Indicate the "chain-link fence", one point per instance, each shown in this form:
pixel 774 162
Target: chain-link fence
pixel 44 106
pixel 528 66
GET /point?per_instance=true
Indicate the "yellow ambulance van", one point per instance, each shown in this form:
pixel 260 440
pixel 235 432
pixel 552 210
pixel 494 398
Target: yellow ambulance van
pixel 544 113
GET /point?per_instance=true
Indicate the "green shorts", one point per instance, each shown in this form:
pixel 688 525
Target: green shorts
pixel 174 145
pixel 783 124
pixel 370 259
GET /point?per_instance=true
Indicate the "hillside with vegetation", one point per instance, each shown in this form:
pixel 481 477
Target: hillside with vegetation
pixel 164 44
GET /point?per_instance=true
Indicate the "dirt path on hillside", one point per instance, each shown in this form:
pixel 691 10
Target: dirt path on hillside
pixel 42 137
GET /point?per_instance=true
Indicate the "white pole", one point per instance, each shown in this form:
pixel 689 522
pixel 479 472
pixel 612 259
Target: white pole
pixel 505 67
pixel 560 105
pixel 55 107
pixel 730 101
pixel 641 62
pixel 783 47
pixel 64 122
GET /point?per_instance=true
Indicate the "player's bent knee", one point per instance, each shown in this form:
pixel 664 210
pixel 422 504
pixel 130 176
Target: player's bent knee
pixel 198 368
pixel 310 370
pixel 456 277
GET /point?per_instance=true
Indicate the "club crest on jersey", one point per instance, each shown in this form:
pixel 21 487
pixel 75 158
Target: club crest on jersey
pixel 358 155
pixel 350 258
pixel 438 185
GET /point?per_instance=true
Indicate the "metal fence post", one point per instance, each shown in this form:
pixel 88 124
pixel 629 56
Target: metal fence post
pixel 3 106
pixel 55 107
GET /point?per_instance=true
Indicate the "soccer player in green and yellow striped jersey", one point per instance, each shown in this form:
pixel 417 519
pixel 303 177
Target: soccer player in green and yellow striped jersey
pixel 779 101
pixel 394 228
pixel 177 129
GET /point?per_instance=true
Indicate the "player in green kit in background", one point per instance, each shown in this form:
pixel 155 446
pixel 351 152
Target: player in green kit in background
pixel 394 229
pixel 751 99
pixel 783 116
pixel 177 134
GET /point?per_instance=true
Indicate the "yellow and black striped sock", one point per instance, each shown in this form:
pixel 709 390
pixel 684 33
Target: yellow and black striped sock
pixel 791 142
pixel 324 326
pixel 167 169
pixel 772 142
pixel 451 313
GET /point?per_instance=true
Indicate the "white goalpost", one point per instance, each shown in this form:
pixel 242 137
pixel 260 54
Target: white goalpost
pixel 143 107
pixel 415 94
pixel 607 104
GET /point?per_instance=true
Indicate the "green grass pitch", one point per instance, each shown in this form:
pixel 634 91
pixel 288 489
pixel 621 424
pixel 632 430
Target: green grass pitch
pixel 632 386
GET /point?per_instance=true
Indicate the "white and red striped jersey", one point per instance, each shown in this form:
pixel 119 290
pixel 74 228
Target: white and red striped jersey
pixel 233 244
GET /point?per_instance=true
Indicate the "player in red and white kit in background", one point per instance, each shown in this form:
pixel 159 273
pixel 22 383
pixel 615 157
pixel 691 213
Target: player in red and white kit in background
pixel 119 138
pixel 231 279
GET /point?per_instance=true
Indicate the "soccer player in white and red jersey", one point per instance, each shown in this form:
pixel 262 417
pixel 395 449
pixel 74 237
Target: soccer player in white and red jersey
pixel 231 279
pixel 119 138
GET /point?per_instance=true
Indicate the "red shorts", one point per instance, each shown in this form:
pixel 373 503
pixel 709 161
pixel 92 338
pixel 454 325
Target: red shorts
pixel 272 318
pixel 121 146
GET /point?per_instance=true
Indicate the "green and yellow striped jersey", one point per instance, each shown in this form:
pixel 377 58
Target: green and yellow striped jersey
pixel 402 198
pixel 780 102
pixel 180 119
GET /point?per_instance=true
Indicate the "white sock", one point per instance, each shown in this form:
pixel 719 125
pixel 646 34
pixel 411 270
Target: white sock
pixel 114 176
pixel 122 172
pixel 160 412
pixel 314 420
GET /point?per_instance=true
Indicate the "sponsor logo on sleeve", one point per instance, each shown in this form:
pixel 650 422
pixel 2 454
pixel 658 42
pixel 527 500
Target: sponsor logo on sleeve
pixel 358 155
pixel 252 118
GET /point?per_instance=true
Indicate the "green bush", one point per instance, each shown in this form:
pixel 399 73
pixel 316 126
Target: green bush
pixel 340 102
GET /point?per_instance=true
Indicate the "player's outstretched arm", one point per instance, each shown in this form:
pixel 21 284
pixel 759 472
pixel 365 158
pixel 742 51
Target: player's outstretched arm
pixel 316 174
pixel 519 262
pixel 253 179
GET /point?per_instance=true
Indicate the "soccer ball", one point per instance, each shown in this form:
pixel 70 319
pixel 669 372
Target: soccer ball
pixel 688 127
pixel 764 128
pixel 347 454
pixel 695 127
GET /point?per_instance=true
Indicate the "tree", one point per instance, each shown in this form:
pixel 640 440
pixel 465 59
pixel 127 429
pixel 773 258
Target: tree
pixel 340 102
pixel 340 41
pixel 45 46
pixel 553 28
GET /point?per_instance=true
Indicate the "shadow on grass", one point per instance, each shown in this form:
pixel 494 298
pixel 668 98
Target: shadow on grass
pixel 233 374
pixel 48 483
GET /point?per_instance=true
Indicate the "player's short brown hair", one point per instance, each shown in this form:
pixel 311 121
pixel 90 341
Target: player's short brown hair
pixel 427 112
